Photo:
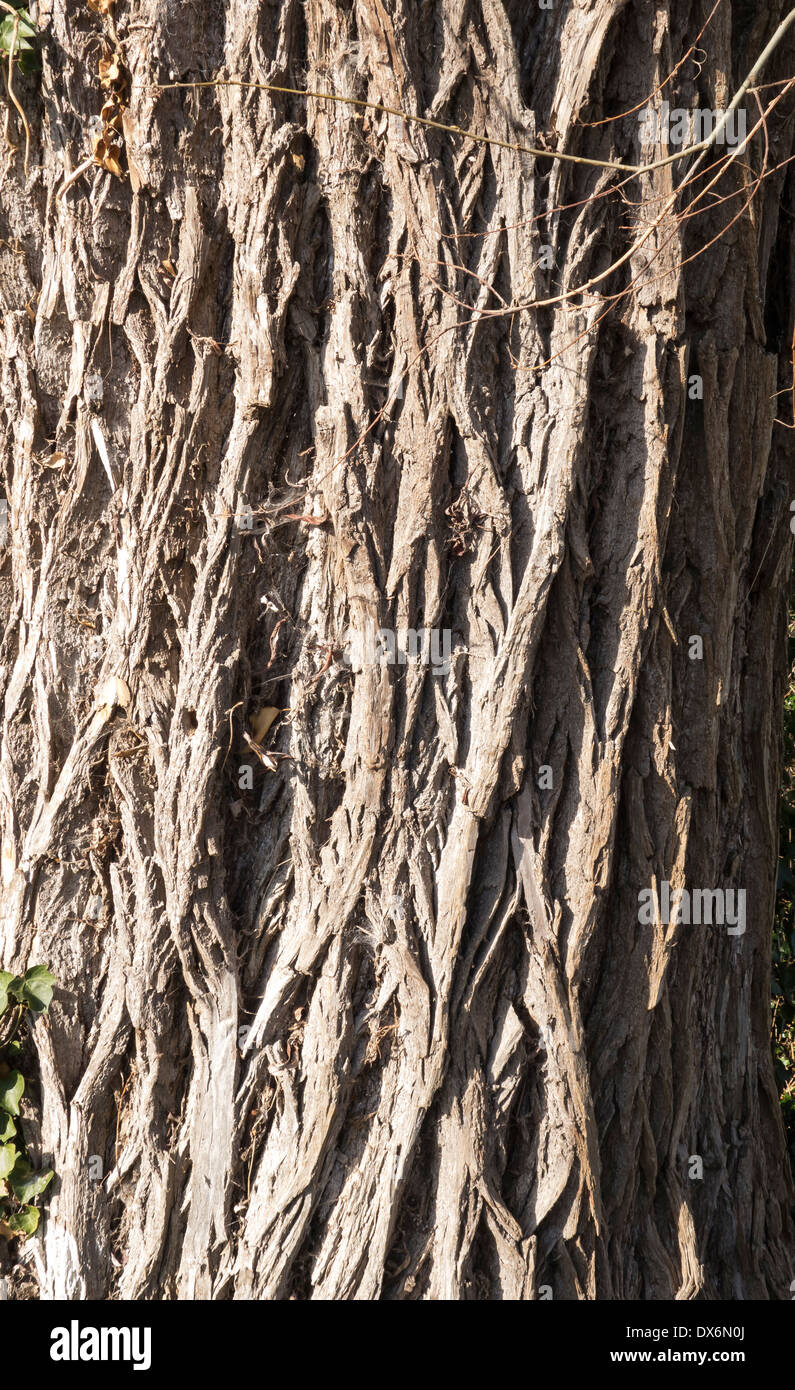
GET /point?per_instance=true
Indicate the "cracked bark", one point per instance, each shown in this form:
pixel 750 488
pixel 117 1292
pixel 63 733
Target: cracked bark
pixel 387 1025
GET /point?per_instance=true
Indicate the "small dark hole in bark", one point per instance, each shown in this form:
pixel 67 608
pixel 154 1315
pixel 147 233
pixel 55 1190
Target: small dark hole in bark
pixel 189 721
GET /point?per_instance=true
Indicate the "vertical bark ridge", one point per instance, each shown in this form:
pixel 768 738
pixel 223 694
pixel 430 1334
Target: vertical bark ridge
pixel 383 1020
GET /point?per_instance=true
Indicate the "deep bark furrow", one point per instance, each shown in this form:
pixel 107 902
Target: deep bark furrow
pixel 379 1016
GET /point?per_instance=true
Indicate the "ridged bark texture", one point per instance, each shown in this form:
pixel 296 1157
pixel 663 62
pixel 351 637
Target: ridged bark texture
pixel 382 1019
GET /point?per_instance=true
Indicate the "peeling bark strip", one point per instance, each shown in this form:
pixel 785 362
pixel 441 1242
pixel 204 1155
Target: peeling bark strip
pixel 356 998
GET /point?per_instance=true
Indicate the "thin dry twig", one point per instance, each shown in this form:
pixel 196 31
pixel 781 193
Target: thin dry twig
pixel 537 151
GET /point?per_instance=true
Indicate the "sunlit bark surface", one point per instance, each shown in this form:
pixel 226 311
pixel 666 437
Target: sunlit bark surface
pixel 378 1017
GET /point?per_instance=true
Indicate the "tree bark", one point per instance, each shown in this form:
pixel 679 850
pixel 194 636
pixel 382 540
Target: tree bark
pixel 381 1018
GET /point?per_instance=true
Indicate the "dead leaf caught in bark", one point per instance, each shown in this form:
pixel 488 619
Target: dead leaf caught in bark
pixel 262 720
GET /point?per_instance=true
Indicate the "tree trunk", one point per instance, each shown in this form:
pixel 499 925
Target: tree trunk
pixel 384 1016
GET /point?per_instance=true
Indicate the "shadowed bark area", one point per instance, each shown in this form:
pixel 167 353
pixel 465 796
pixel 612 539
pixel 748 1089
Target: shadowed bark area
pixel 379 1016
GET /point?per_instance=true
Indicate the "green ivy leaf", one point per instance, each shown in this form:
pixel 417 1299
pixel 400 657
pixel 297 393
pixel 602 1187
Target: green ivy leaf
pixel 25 1184
pixel 8 1160
pixel 29 62
pixel 6 34
pixel 24 47
pixel 26 1221
pixel 5 981
pixel 34 988
pixel 11 1088
pixel 25 27
pixel 7 1128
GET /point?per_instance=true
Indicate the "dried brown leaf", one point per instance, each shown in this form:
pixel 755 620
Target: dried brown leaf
pixel 262 720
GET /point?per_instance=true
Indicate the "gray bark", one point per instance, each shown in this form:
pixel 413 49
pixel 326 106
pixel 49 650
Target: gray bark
pixel 387 1025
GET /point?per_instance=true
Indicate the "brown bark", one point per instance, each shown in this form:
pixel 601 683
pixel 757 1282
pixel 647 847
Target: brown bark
pixel 388 1025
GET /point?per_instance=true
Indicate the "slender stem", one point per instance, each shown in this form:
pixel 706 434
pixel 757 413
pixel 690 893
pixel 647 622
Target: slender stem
pixel 535 150
pixel 16 1019
pixel 10 83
